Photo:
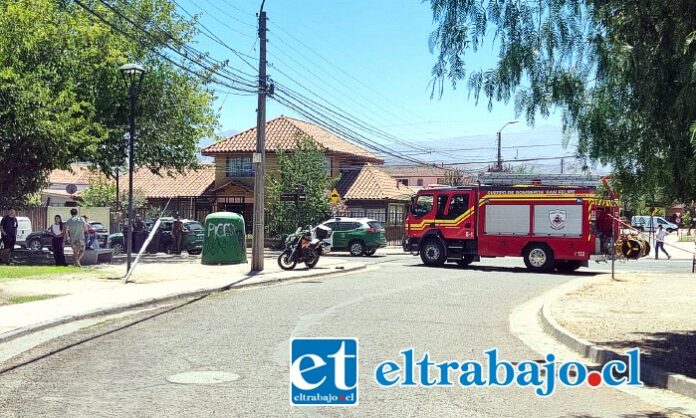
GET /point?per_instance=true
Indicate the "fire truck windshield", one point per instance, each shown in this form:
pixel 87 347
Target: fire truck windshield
pixel 422 206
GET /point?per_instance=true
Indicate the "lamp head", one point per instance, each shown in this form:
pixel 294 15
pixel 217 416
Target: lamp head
pixel 132 73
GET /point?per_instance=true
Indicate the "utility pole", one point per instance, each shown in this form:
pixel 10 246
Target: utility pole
pixel 562 165
pixel 118 191
pixel 499 164
pixel 260 157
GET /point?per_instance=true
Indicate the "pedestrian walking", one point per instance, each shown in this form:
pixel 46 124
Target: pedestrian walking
pixel 76 233
pixel 177 232
pixel 660 242
pixel 8 231
pixel 58 234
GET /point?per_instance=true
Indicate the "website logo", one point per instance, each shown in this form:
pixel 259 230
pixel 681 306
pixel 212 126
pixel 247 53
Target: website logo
pixel 542 376
pixel 324 371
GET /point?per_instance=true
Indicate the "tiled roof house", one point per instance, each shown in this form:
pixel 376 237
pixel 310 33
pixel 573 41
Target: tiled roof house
pixel 365 185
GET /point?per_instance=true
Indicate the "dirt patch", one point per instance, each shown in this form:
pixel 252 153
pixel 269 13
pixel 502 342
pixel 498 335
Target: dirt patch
pixel 652 311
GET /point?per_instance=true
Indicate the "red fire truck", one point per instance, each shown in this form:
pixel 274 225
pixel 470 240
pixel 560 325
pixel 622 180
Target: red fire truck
pixel 551 221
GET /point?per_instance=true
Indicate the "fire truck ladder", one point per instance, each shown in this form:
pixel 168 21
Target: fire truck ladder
pixel 512 179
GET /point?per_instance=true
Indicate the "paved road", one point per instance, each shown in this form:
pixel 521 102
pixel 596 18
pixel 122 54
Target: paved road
pixel 452 313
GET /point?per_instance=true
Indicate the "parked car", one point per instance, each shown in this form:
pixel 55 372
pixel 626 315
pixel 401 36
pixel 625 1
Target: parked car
pixel 359 236
pixel 192 241
pixel 23 230
pixel 642 223
pixel 44 239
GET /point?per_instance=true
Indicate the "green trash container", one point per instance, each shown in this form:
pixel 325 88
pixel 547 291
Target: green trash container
pixel 225 239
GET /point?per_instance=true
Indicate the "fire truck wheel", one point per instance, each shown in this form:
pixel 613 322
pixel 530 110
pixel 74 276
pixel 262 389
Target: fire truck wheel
pixel 567 266
pixel 465 261
pixel 356 248
pixel 432 253
pixel 539 257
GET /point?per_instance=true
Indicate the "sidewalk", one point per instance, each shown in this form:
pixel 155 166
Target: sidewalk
pixel 652 311
pixel 153 282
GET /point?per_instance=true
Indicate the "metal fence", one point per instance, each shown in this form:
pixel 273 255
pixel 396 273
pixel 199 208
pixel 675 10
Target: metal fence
pixel 38 217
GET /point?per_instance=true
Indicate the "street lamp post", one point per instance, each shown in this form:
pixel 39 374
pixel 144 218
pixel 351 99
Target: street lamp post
pixel 499 164
pixel 133 75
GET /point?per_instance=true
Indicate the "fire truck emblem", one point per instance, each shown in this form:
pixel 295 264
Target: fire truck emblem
pixel 557 218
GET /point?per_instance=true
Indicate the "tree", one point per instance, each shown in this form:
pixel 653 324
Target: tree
pixel 621 71
pixel 62 98
pixel 306 166
pixel 102 193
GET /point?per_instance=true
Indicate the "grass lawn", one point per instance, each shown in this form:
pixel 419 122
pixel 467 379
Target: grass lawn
pixel 21 272
pixel 24 299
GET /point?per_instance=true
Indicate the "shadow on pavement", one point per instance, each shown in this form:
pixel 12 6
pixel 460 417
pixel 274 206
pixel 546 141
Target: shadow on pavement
pixel 477 267
pixel 672 351
pixel 647 414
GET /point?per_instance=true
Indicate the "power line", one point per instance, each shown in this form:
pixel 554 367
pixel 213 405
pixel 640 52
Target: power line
pixel 231 5
pixel 338 89
pixel 215 18
pixel 339 129
pixel 230 77
pixel 212 36
pixel 228 14
pixel 341 70
pixel 342 115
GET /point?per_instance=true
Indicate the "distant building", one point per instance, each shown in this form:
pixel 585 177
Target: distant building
pixel 80 175
pixel 189 193
pixel 419 176
pixel 363 185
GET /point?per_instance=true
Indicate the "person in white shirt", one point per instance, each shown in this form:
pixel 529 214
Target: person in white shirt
pixel 660 242
pixel 58 234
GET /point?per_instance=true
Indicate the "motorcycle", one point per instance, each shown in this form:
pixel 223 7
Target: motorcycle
pixel 303 247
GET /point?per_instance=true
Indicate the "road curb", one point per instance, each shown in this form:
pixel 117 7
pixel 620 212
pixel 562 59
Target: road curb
pixel 649 373
pixel 239 284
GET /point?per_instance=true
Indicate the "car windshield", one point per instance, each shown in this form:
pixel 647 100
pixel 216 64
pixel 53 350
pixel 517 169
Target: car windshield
pixel 194 226
pixel 422 205
pixel 375 224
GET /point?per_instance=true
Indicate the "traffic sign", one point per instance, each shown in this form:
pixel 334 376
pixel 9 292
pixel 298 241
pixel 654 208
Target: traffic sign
pixel 288 197
pixel 299 188
pixel 335 196
pixel 71 188
pixel 302 197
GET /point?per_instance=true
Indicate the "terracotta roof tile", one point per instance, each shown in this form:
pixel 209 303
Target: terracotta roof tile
pixel 155 186
pixel 80 174
pixel 371 183
pixel 282 133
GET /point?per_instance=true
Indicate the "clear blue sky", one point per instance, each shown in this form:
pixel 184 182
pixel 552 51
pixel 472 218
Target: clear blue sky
pixel 381 43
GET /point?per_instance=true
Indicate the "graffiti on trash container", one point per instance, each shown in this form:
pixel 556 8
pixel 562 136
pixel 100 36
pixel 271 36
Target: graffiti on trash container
pixel 221 230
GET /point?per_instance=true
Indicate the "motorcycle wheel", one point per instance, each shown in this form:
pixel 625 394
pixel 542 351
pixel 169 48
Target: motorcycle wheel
pixel 285 262
pixel 312 259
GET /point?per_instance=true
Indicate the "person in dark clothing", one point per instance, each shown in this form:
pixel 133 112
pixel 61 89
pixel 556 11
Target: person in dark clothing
pixel 8 230
pixel 138 229
pixel 177 232
pixel 58 234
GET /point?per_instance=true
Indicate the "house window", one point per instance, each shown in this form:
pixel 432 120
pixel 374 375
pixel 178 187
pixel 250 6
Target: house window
pixel 441 180
pixel 328 163
pixel 420 182
pixel 239 167
pixel 395 216
pixel 403 181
